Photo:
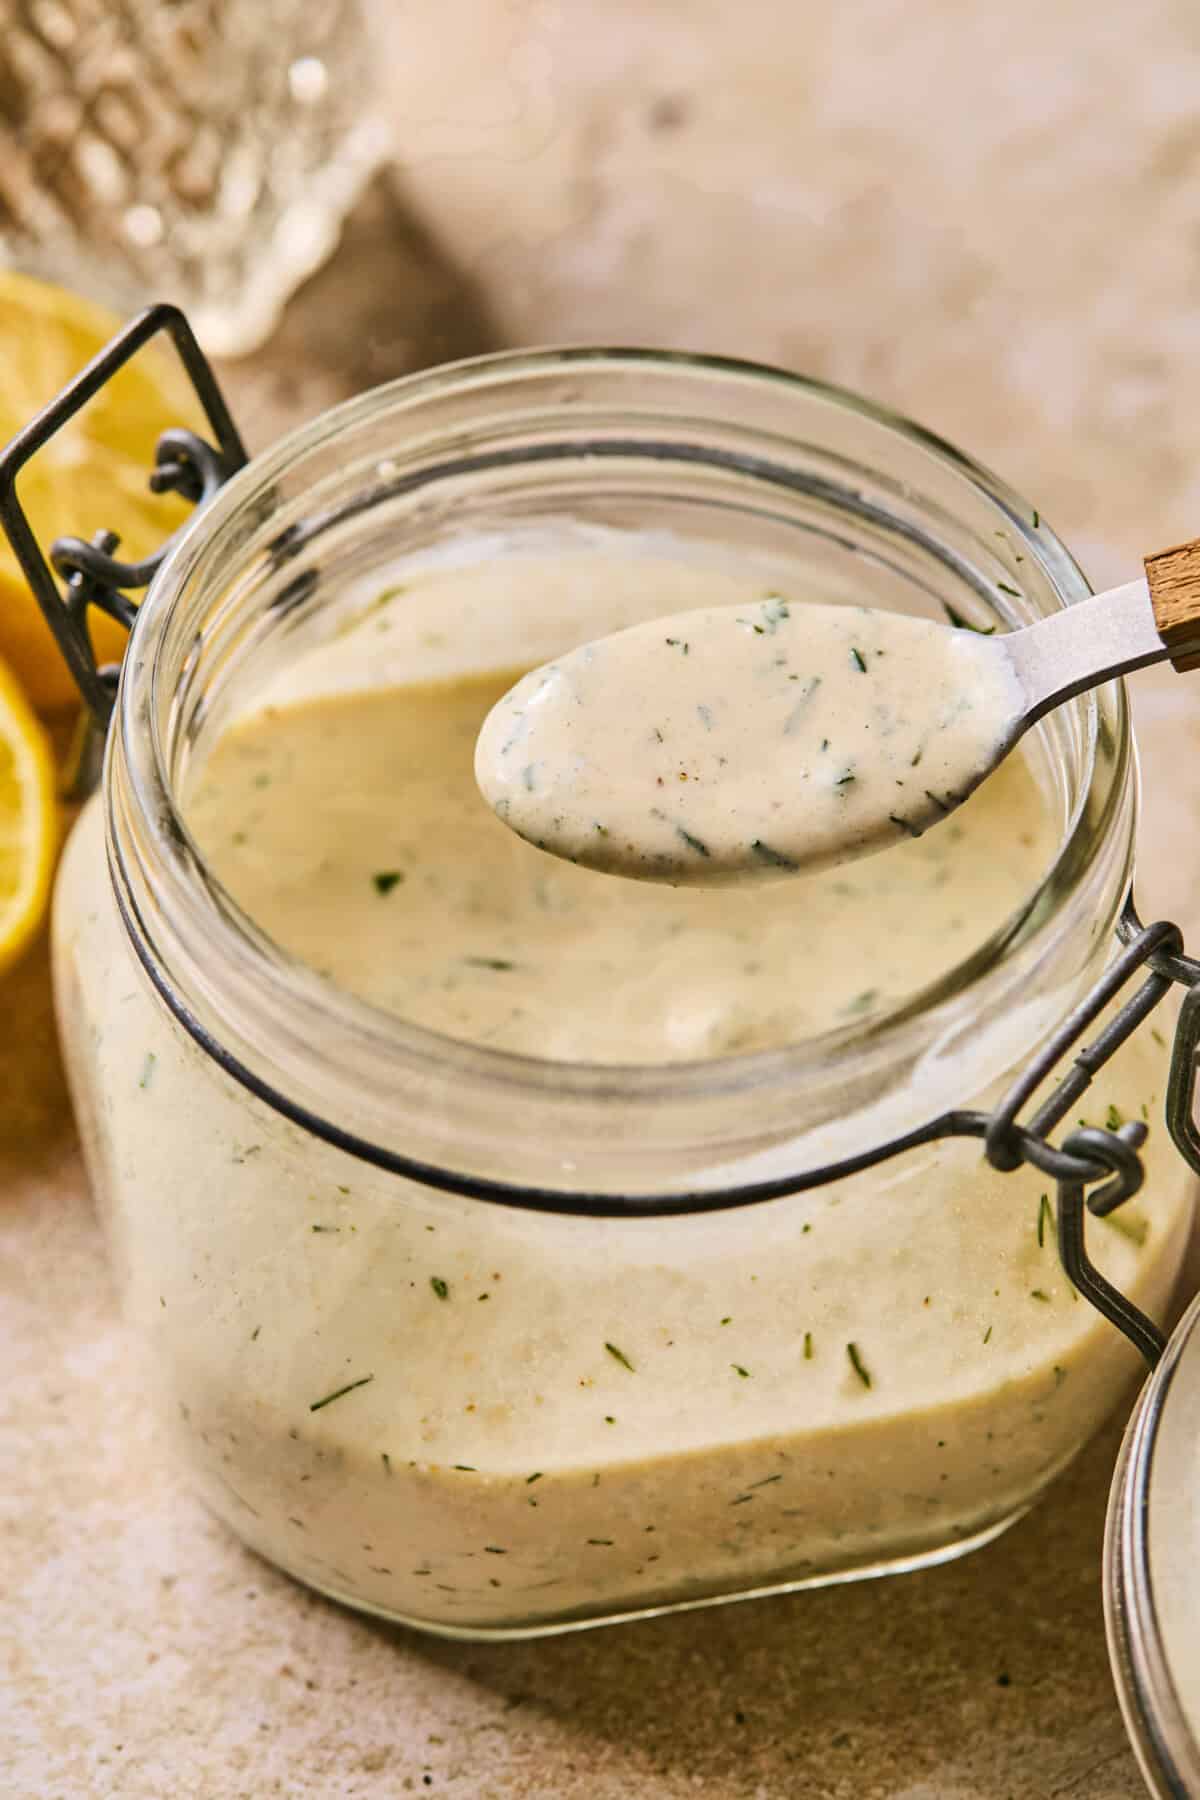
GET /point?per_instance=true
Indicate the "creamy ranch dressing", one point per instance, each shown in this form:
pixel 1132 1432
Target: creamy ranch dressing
pixel 748 742
pixel 352 831
pixel 478 1418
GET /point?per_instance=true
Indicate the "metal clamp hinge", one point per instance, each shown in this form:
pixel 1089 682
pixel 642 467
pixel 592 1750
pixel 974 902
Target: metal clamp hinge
pixel 1111 1155
pixel 92 576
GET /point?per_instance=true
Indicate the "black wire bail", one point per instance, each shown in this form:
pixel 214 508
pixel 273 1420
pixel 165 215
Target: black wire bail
pixel 1106 1159
pixel 1110 1155
pixel 92 576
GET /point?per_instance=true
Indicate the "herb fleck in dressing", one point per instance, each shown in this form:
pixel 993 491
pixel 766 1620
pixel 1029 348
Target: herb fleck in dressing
pixel 746 742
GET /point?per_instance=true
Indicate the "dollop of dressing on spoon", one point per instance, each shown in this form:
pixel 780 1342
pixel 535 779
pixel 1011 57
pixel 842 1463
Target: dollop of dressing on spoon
pixel 747 742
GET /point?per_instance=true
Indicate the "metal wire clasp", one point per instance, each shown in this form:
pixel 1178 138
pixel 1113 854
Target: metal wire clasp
pixel 92 576
pixel 1110 1156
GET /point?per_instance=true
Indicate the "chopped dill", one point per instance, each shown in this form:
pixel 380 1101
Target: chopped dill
pixel 316 1405
pixel 693 842
pixel 775 859
pixel 961 623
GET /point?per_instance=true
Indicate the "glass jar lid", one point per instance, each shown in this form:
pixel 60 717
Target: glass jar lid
pixel 1152 1569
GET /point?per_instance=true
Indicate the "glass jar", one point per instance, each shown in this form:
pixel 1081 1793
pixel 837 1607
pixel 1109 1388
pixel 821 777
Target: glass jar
pixel 1151 1589
pixel 415 1344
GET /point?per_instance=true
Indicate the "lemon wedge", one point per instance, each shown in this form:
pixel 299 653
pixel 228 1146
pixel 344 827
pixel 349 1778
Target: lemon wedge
pixel 28 819
pixel 92 475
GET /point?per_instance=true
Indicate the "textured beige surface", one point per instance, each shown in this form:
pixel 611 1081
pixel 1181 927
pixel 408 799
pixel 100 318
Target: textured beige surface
pixel 152 1657
pixel 988 216
pixel 985 215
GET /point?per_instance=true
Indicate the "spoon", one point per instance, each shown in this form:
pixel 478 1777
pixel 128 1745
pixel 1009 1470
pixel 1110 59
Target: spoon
pixel 752 742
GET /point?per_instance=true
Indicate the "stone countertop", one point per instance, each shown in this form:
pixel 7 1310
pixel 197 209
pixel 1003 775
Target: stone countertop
pixel 993 226
pixel 150 1656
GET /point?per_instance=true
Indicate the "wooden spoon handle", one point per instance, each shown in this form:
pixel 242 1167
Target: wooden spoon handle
pixel 1173 577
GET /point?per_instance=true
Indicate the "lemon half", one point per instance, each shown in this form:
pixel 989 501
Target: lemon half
pixel 28 819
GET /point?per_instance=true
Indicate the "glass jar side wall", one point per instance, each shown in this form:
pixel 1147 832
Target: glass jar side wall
pixel 397 1394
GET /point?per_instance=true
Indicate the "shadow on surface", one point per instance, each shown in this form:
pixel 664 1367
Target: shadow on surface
pixel 987 1676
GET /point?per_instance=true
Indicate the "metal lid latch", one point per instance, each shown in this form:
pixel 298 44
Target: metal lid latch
pixel 92 576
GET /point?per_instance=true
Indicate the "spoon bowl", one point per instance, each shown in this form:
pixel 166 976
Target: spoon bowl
pixel 755 742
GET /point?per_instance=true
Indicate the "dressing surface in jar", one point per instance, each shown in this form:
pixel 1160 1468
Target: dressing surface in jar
pixel 379 1099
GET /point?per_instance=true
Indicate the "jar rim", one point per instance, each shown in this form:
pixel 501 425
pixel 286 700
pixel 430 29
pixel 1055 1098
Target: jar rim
pixel 311 1004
